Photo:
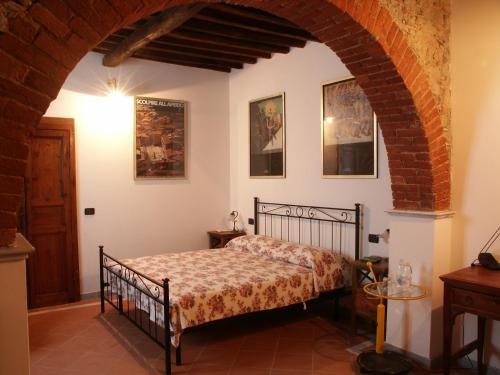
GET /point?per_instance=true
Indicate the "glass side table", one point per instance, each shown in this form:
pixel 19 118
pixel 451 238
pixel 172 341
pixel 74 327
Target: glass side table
pixel 382 361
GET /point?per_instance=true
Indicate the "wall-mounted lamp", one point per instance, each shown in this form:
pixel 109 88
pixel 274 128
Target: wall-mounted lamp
pixel 385 235
pixel 112 84
pixel 234 215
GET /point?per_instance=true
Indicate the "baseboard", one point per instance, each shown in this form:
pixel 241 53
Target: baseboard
pixel 436 363
pixel 89 296
pixel 422 361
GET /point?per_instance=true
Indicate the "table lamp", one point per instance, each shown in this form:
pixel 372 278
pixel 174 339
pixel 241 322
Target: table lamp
pixel 235 215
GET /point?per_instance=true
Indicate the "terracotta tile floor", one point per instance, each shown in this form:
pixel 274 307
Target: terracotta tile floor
pixel 291 342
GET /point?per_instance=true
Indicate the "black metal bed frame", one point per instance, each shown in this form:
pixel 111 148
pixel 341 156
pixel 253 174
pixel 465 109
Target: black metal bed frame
pixel 122 286
pixel 284 215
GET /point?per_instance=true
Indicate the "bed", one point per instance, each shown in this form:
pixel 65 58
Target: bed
pixel 297 253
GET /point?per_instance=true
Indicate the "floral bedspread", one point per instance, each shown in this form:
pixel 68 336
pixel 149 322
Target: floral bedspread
pixel 251 274
pixel 330 269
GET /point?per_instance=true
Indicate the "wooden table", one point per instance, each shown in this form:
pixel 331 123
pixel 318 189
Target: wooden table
pixel 474 290
pixel 219 238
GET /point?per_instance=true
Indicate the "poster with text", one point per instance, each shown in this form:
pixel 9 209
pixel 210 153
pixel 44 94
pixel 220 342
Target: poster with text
pixel 160 138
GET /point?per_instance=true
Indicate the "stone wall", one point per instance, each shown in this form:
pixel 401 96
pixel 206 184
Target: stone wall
pixel 426 25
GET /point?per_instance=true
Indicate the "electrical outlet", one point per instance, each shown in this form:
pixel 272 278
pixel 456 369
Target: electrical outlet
pixel 89 211
pixel 251 221
pixel 373 238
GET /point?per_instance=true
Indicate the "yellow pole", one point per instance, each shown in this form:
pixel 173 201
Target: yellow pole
pixel 370 267
pixel 379 344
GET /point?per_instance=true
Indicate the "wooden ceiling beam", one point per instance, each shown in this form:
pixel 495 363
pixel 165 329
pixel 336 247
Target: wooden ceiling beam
pixel 180 47
pixel 205 45
pixel 239 33
pixel 189 34
pixel 213 47
pixel 253 14
pixel 225 65
pixel 105 50
pixel 162 47
pixel 156 27
pixel 222 18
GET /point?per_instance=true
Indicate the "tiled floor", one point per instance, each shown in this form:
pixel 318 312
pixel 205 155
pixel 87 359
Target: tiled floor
pixel 292 342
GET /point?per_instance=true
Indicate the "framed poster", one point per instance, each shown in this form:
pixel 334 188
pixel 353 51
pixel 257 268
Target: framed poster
pixel 267 137
pixel 348 131
pixel 160 138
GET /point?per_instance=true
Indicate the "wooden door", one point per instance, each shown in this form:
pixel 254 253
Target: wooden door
pixel 53 271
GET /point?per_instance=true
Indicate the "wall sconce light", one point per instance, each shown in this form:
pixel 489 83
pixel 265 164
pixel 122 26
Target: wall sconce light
pixel 234 215
pixel 385 235
pixel 112 84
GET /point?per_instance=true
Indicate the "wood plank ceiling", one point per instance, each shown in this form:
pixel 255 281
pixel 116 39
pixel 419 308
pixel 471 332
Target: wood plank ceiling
pixel 217 36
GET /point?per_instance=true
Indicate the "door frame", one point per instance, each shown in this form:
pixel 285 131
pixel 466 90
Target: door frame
pixel 65 124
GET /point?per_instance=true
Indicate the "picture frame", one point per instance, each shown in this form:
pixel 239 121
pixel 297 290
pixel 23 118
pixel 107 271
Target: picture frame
pixel 349 139
pixel 267 130
pixel 160 138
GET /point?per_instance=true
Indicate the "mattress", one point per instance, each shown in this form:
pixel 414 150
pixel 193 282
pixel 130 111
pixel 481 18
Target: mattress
pixel 213 284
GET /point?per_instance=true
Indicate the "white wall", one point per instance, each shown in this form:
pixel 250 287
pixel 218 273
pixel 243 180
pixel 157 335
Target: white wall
pixel 475 93
pixel 300 74
pixel 136 218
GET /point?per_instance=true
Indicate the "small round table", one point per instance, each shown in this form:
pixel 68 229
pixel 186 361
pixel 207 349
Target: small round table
pixel 378 360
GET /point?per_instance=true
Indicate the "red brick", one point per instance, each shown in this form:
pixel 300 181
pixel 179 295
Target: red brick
pixel 374 12
pixel 53 47
pixel 99 14
pixel 84 30
pixel 392 33
pixel 12 149
pixel 78 45
pixel 12 167
pixel 13 130
pixel 11 68
pixel 126 8
pixel 7 236
pixel 23 28
pixel 23 94
pixel 41 83
pixel 11 185
pixel 59 9
pixel 30 55
pixel 9 202
pixel 14 111
pixel 51 23
pixel 406 205
pixel 7 219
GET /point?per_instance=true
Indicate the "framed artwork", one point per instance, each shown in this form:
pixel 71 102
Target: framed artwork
pixel 160 138
pixel 348 131
pixel 267 137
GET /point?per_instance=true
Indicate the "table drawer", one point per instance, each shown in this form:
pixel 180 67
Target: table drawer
pixel 476 301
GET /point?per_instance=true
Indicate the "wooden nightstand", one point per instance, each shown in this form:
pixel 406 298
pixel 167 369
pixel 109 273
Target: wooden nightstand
pixel 219 238
pixel 362 305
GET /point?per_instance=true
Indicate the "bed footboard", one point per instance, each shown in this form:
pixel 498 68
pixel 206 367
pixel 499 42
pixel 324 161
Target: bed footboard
pixel 142 300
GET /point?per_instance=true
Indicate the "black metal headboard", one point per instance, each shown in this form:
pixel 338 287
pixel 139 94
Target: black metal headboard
pixel 328 227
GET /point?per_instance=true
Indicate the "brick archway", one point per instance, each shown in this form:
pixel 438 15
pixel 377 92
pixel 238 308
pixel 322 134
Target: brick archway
pixel 41 44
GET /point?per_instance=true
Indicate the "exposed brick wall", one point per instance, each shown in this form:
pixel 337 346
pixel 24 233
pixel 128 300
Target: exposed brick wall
pixel 45 39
